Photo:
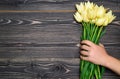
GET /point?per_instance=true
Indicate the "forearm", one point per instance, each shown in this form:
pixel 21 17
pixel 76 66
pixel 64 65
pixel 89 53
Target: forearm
pixel 113 64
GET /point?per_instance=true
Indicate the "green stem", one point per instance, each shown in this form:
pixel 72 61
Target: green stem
pixel 92 31
pixel 91 72
pixel 98 69
pixel 95 33
pixel 99 33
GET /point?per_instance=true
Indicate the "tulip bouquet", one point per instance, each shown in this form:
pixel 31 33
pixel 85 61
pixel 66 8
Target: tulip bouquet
pixel 93 18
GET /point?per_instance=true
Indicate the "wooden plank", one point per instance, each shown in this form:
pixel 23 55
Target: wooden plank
pixel 49 52
pixel 52 68
pixel 33 52
pixel 22 5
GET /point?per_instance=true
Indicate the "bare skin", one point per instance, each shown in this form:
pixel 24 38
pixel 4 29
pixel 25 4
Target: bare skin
pixel 98 55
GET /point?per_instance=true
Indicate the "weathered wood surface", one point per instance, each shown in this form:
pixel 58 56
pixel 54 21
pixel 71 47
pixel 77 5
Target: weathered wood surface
pixel 44 68
pixel 38 39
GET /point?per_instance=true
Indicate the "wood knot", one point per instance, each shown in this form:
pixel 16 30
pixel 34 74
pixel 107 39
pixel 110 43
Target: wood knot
pixel 49 70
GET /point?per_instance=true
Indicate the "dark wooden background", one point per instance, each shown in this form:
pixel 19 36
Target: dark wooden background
pixel 38 39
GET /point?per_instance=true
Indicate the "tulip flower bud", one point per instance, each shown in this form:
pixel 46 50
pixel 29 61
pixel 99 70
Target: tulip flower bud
pixel 85 16
pixel 101 11
pixel 100 21
pixel 91 14
pixel 110 16
pixel 89 5
pixel 105 22
pixel 78 17
pixel 80 7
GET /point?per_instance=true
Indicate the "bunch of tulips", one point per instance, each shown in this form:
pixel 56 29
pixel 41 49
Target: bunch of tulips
pixel 93 18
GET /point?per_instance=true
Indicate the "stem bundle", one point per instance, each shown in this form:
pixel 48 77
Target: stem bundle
pixel 93 33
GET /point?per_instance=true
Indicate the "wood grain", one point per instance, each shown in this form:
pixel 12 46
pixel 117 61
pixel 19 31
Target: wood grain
pixel 44 68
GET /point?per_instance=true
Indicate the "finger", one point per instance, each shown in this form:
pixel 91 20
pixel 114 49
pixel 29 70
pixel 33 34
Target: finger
pixel 85 47
pixel 101 45
pixel 87 42
pixel 85 53
pixel 84 58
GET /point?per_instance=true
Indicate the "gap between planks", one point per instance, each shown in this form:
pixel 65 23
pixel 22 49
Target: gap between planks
pixel 41 11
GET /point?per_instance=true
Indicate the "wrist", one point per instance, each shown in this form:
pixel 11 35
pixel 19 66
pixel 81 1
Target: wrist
pixel 107 61
pixel 113 64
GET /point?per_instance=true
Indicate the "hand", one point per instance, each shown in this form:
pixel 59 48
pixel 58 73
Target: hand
pixel 93 53
pixel 98 55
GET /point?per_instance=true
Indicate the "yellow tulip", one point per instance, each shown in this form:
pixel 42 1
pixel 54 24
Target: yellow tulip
pixel 80 7
pixel 78 17
pixel 100 11
pixel 89 5
pixel 110 16
pixel 105 22
pixel 91 14
pixel 93 20
pixel 84 14
pixel 85 19
pixel 96 8
pixel 100 21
